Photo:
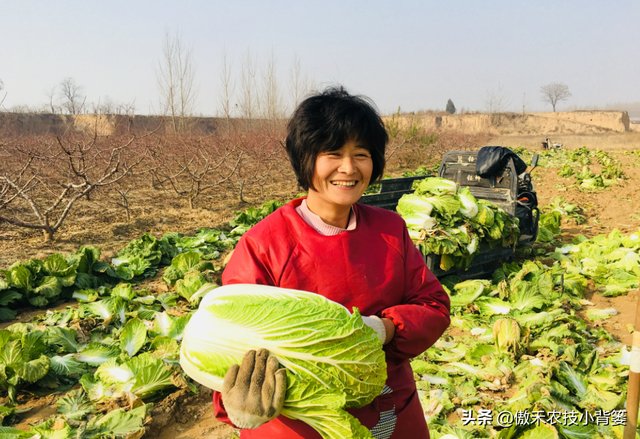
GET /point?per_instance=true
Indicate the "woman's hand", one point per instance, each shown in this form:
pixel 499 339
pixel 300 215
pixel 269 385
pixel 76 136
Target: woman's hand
pixel 253 393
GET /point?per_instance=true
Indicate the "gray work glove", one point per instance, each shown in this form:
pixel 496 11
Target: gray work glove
pixel 253 393
pixel 376 324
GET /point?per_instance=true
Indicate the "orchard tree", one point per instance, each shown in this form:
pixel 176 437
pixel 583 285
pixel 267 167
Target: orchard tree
pixel 42 177
pixel 451 109
pixel 554 92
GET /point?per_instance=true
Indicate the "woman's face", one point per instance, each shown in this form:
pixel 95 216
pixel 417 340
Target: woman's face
pixel 341 177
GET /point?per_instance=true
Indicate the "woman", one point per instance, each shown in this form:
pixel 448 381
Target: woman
pixel 357 255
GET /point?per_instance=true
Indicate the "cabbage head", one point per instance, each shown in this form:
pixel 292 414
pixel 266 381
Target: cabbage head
pixel 333 360
pixel 437 186
pixel 413 203
pixel 469 205
pixel 417 221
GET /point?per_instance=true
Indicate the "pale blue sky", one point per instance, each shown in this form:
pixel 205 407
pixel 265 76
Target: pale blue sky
pixel 412 54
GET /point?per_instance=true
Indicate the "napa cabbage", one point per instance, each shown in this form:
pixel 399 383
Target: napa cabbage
pixel 437 186
pixel 469 204
pixel 412 203
pixel 333 360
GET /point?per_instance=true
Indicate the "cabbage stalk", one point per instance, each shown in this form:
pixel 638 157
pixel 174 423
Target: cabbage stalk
pixel 333 360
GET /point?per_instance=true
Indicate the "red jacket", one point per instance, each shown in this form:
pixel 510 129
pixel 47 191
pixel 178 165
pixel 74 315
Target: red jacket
pixel 375 268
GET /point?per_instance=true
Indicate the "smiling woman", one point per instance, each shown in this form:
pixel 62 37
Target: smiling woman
pixel 356 255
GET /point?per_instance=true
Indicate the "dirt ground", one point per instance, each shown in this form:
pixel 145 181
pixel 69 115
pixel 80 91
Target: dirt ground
pixel 184 416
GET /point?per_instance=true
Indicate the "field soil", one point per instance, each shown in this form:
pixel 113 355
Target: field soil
pixel 184 416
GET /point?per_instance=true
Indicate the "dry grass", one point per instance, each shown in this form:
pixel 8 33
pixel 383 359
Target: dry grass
pixel 607 142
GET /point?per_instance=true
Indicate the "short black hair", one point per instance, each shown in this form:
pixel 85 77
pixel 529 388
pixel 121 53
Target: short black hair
pixel 325 122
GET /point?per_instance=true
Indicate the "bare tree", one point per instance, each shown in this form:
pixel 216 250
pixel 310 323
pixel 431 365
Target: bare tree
pixel 299 84
pixel 109 106
pixel 175 76
pixel 249 103
pixel 5 95
pixel 495 103
pixel 227 87
pixel 554 93
pixel 51 94
pixel 71 95
pixel 271 96
pixel 127 108
pixel 105 107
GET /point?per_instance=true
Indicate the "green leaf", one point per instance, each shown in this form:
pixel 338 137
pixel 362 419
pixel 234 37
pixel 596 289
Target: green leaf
pixel 542 431
pixel 113 372
pixel 33 370
pixel 94 388
pixel 191 283
pixel 20 277
pixel 100 267
pixel 7 314
pixel 9 296
pixel 165 347
pixel 490 306
pixel 120 422
pixel 85 295
pixel 63 337
pixel 68 366
pixel 12 353
pixel 321 408
pixel 38 301
pixel 171 275
pixel 46 431
pixel 84 259
pixel 600 314
pixel 96 353
pixel 133 336
pixel 186 262
pixel 86 281
pixel 14 433
pixel 525 295
pixel 151 375
pixel 33 344
pixel 167 300
pixel 57 266
pixel 123 290
pixel 75 405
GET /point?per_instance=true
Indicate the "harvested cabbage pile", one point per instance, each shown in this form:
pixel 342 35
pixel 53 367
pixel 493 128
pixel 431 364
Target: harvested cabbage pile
pixel 333 360
pixel 448 221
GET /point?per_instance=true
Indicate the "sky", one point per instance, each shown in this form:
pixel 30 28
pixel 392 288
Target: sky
pixel 413 55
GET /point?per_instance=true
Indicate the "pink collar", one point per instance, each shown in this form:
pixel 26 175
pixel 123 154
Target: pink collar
pixel 320 226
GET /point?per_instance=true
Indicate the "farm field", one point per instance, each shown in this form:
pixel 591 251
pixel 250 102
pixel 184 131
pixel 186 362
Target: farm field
pixel 181 414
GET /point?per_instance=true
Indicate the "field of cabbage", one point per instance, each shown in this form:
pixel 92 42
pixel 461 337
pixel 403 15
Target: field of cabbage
pixel 533 352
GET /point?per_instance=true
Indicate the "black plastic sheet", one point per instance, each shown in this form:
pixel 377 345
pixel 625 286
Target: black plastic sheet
pixel 492 161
